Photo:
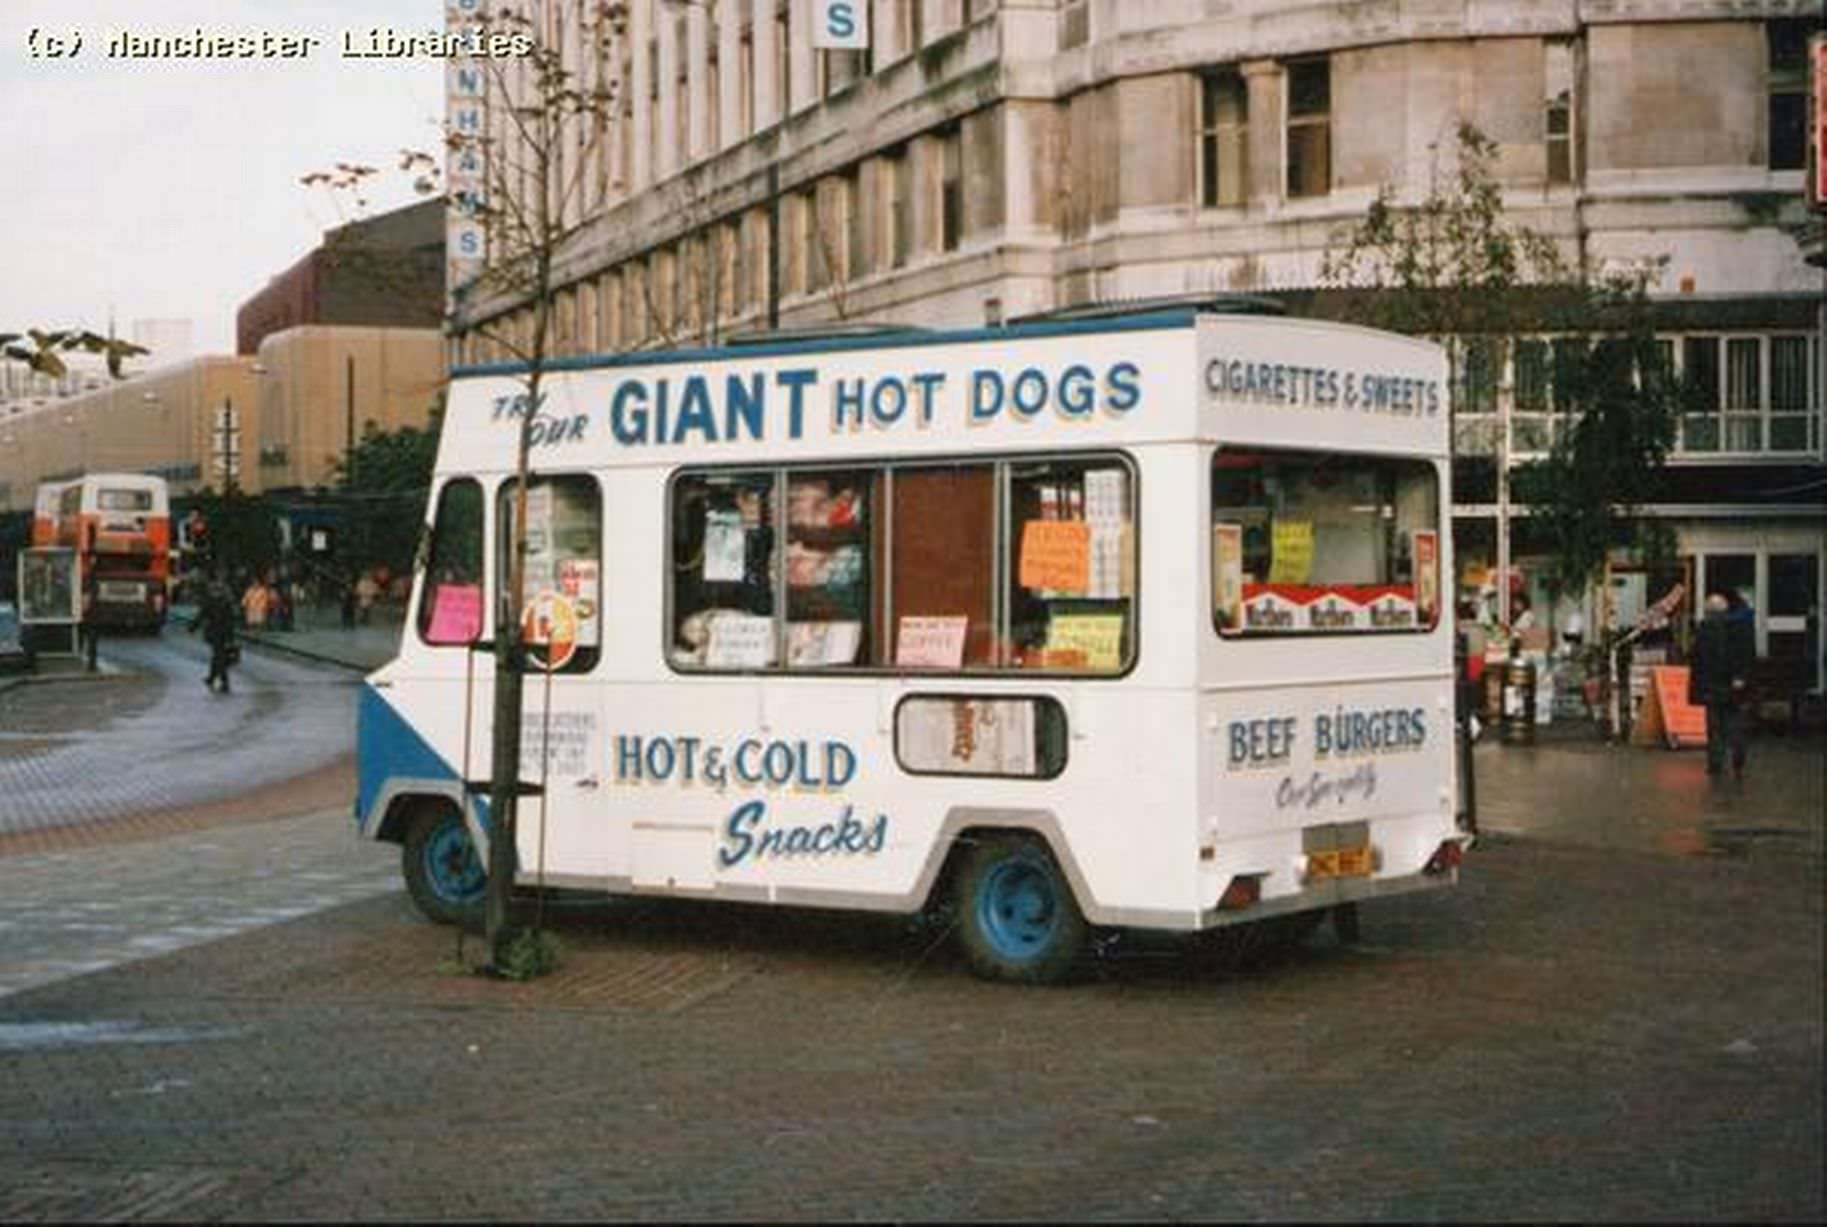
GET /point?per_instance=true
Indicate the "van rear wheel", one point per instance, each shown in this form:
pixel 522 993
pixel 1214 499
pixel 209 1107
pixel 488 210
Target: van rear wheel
pixel 444 875
pixel 1017 918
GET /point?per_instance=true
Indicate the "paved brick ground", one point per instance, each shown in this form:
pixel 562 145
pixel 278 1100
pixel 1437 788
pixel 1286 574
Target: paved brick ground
pixel 1575 1033
pixel 1619 1014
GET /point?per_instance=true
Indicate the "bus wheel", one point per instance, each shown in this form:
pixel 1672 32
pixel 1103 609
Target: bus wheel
pixel 444 875
pixel 1016 914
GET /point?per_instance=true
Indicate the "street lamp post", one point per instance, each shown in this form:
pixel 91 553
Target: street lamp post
pixel 349 422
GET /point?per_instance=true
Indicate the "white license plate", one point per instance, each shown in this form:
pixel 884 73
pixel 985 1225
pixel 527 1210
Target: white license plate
pixel 122 592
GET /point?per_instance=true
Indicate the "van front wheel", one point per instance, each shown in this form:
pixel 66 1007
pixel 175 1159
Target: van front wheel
pixel 443 874
pixel 1017 918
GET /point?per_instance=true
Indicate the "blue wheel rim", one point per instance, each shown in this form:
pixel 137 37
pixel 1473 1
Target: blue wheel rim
pixel 1018 908
pixel 451 865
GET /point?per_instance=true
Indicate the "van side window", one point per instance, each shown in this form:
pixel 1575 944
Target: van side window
pixel 831 552
pixel 450 603
pixel 1323 543
pixel 1023 736
pixel 1072 573
pixel 561 620
pixel 944 567
pixel 904 567
pixel 723 528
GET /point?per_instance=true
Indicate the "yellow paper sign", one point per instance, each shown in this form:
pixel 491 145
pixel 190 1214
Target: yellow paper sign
pixel 1227 575
pixel 1097 637
pixel 1291 556
pixel 1056 555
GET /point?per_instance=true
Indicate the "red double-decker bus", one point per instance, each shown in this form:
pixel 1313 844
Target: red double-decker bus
pixel 120 525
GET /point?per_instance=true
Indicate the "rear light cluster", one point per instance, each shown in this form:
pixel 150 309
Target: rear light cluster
pixel 1244 891
pixel 1446 857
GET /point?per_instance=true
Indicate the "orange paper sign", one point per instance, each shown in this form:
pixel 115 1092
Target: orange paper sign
pixel 1056 555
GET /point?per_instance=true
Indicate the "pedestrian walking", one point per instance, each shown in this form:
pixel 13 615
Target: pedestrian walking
pixel 91 614
pixel 1723 651
pixel 255 602
pixel 366 593
pixel 217 618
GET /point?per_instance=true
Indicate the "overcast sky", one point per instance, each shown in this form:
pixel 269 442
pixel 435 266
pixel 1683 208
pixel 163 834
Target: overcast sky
pixel 169 188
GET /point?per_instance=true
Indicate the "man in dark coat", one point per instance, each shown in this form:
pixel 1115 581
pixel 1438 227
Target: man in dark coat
pixel 1724 647
pixel 90 626
pixel 217 617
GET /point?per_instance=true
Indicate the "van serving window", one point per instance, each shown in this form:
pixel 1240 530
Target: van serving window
pixel 1309 542
pixel 1025 563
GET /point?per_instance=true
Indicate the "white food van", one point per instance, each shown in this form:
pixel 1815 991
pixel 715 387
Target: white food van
pixel 1124 622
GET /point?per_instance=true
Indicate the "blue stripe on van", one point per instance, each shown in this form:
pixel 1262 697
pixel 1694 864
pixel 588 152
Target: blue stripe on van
pixel 1146 321
pixel 387 747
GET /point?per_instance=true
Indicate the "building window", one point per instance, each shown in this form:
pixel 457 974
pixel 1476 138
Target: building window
pixel 1749 394
pixel 1788 112
pixel 636 322
pixel 713 109
pixel 1700 370
pixel 1531 376
pixel 1309 128
pixel 1558 115
pixel 951 188
pixel 1789 419
pixel 855 240
pixel 900 202
pixel 586 318
pixel 783 61
pixel 745 86
pixel 802 218
pixel 1223 114
pixel 729 264
pixel 609 323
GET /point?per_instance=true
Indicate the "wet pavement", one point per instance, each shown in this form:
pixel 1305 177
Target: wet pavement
pixel 146 736
pixel 1584 791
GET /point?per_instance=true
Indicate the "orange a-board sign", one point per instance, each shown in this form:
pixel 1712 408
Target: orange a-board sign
pixel 1683 723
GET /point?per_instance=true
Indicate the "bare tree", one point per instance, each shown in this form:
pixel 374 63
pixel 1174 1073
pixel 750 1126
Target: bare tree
pixel 548 108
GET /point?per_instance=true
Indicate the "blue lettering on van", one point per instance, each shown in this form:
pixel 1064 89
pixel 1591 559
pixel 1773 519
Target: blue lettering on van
pixel 700 409
pixel 801 765
pixel 694 408
pixel 1269 741
pixel 1298 384
pixel 747 834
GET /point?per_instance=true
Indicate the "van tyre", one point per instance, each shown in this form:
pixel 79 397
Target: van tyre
pixel 444 874
pixel 1017 918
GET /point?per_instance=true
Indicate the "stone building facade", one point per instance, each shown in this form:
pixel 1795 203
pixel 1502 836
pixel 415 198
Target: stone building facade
pixel 988 159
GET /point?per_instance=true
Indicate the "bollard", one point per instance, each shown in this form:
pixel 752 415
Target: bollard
pixel 1519 702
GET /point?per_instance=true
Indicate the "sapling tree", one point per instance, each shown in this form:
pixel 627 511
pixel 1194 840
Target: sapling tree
pixel 1457 267
pixel 549 111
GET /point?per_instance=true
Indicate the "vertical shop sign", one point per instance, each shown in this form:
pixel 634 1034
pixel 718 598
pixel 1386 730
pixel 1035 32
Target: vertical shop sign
pixel 465 112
